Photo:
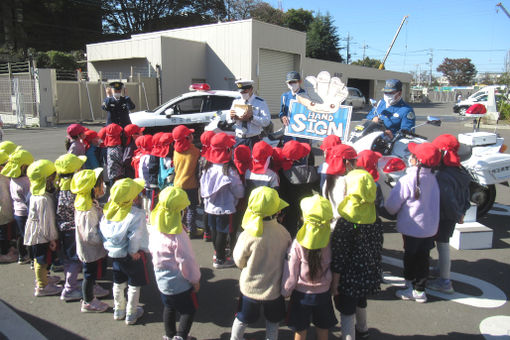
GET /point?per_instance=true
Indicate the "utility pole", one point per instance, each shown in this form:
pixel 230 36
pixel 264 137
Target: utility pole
pixel 431 57
pixel 348 43
pixel 364 48
pixel 504 9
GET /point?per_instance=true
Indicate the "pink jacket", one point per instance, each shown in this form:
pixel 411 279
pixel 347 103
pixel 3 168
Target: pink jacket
pixel 174 262
pixel 296 273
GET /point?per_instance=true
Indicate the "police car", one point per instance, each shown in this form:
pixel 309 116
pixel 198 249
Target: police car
pixel 194 109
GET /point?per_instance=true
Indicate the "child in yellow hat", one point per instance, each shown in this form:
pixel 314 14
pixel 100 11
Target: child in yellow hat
pixel 356 245
pixel 177 272
pixel 7 254
pixel 307 276
pixel 126 239
pixel 66 165
pixel 41 229
pixel 259 253
pixel 19 187
pixel 87 185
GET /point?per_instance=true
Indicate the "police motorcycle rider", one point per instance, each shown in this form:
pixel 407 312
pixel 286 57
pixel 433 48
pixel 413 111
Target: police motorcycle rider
pixel 393 111
pixel 249 125
pixel 117 104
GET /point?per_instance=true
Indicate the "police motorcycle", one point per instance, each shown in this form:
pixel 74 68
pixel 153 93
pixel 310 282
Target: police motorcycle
pixel 481 154
pixel 219 124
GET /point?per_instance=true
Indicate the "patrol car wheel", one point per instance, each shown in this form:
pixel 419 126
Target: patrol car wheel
pixel 483 196
pixel 462 110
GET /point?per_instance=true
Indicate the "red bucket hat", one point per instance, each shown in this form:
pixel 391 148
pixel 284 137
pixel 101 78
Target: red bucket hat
pixel 427 153
pixel 112 135
pixel 294 150
pixel 132 129
pixel 90 135
pixel 339 153
pixel 450 145
pixel 74 130
pixel 163 144
pixel 279 161
pixel 261 154
pixel 180 134
pixel 205 139
pixel 144 144
pixel 330 141
pixel 221 145
pixel 242 158
pixel 367 159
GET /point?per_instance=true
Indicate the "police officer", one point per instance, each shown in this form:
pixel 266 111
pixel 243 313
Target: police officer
pixel 393 112
pixel 294 83
pixel 249 125
pixel 117 104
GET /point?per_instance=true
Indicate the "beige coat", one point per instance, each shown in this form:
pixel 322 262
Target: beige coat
pixel 261 261
pixel 89 245
pixel 6 210
pixel 41 226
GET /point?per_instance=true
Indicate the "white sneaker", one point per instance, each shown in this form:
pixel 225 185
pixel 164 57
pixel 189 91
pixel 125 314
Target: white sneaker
pixel 119 314
pixel 94 306
pixel 132 318
pixel 100 292
pixel 75 295
pixel 411 294
pixel 228 263
pixel 49 290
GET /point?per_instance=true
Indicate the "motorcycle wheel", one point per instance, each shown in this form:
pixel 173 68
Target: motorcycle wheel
pixel 483 196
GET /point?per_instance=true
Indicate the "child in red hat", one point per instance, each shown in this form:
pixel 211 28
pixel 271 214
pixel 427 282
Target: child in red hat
pixel 131 133
pixel 92 143
pixel 220 188
pixel 205 140
pixel 259 173
pixel 186 156
pixel 292 186
pixel 74 143
pixel 415 200
pixel 327 144
pixel 368 160
pixel 165 152
pixel 111 136
pixel 340 159
pixel 453 182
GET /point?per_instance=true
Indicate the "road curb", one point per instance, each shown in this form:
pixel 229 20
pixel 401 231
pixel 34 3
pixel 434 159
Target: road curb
pixel 13 326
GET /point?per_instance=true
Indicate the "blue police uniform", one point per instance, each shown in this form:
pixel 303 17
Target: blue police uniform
pixel 118 110
pixel 286 98
pixel 396 117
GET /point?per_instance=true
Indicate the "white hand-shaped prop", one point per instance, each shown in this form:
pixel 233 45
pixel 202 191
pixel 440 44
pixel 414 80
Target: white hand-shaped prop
pixel 324 93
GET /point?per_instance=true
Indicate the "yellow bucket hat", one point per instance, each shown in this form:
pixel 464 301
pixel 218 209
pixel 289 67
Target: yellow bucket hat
pixel 263 202
pixel 8 147
pixel 358 205
pixel 317 215
pixel 38 172
pixel 4 157
pixel 166 216
pixel 17 159
pixel 122 194
pixel 68 164
pixel 82 184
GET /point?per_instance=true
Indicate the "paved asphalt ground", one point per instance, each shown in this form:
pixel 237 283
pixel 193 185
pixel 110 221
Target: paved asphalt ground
pixel 388 317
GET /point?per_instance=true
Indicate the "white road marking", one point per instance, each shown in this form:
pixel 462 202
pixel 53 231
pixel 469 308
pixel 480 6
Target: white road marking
pixel 496 327
pixel 492 296
pixel 505 210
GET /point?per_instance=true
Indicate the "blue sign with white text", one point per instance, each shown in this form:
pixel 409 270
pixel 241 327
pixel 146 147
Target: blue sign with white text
pixel 305 123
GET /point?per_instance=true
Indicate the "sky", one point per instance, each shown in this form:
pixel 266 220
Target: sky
pixel 451 28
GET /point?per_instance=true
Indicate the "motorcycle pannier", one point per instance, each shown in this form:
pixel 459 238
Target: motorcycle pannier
pixel 477 138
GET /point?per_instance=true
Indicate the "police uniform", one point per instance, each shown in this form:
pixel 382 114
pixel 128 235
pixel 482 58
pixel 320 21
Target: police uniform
pixel 396 117
pixel 399 116
pixel 118 109
pixel 248 133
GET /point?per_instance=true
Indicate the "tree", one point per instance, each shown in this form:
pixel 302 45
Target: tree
pixel 458 71
pixel 322 41
pixel 267 13
pixel 298 19
pixel 239 9
pixel 368 62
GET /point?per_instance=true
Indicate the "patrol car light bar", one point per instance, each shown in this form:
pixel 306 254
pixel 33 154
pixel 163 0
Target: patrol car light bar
pixel 199 87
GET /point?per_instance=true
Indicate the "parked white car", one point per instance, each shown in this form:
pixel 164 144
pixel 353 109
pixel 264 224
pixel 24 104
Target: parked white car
pixel 355 98
pixel 481 98
pixel 194 109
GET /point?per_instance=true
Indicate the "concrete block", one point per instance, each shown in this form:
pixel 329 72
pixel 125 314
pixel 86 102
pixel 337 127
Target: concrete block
pixel 471 235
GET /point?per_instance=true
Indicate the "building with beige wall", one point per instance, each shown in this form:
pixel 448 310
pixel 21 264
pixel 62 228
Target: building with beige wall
pixel 220 53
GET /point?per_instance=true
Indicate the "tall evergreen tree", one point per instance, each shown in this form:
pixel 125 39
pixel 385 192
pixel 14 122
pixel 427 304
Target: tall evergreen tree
pixel 322 40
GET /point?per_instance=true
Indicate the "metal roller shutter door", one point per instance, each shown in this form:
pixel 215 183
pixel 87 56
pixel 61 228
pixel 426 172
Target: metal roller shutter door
pixel 273 67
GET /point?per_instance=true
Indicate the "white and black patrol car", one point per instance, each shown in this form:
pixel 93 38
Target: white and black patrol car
pixel 195 109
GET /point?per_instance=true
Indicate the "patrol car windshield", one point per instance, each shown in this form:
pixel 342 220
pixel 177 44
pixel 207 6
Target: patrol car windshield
pixel 164 104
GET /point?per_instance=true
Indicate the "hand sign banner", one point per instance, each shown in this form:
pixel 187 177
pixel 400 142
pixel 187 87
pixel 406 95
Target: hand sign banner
pixel 318 112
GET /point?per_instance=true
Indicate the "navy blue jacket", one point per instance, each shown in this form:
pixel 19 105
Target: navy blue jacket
pixel 118 110
pixel 396 117
pixel 454 192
